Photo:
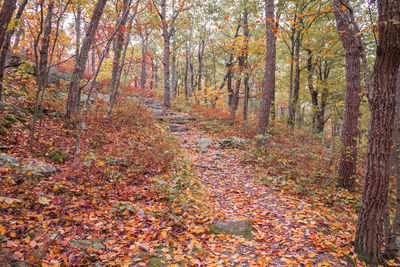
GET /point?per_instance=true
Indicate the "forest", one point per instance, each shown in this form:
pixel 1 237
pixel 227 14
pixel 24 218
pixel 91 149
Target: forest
pixel 199 133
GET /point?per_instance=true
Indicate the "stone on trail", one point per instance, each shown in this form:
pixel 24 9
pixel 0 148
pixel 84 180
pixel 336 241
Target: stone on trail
pixel 234 142
pixel 6 161
pixel 234 227
pixel 38 168
pixel 204 143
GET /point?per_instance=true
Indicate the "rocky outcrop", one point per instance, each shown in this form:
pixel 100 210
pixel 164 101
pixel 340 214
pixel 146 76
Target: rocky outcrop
pixel 234 142
pixel 28 166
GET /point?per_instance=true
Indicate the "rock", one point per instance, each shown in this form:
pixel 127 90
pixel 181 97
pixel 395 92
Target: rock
pixel 235 227
pixel 16 111
pixel 234 142
pixel 204 143
pixel 38 168
pixel 54 75
pixel 105 97
pixel 7 161
pixel 84 97
pixel 12 60
pixel 173 127
pixel 158 112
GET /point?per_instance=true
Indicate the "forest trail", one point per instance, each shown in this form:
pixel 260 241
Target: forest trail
pixel 286 230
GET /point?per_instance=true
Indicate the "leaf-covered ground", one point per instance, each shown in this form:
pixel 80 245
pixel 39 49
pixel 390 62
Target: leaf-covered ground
pixel 135 198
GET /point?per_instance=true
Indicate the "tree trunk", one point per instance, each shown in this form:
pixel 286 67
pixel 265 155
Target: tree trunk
pixel 290 98
pixel 247 74
pixel 143 73
pixel 392 234
pixel 269 74
pixel 200 73
pixel 6 45
pixel 173 69
pixel 77 31
pixel 74 93
pixel 296 86
pixel 119 44
pixel 5 17
pixel 383 104
pixel 186 73
pixel 313 92
pixel 347 166
pixel 42 69
pixel 167 37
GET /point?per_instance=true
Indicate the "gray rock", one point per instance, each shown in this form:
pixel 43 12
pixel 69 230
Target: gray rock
pixel 234 142
pixel 105 97
pixel 38 168
pixel 204 143
pixel 16 111
pixel 12 60
pixel 6 161
pixel 235 227
pixel 158 112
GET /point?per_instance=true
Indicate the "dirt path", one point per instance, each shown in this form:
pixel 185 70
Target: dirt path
pixel 287 230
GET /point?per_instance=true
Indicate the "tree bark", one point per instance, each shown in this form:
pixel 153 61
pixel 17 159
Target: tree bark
pixel 383 104
pixel 77 31
pixel 5 17
pixel 269 74
pixel 313 92
pixel 173 67
pixel 347 165
pixel 74 93
pixel 117 64
pixel 246 66
pixel 200 70
pixel 42 69
pixel 6 45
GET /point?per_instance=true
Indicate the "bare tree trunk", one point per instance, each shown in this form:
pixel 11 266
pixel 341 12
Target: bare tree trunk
pixel 6 45
pixel 296 88
pixel 186 72
pixel 74 93
pixel 117 65
pixel 143 73
pixel 290 99
pixel 269 75
pixel 347 166
pixel 5 17
pixel 167 37
pixel 200 70
pixel 42 70
pixel 368 242
pixel 246 66
pixel 173 67
pixel 77 30
pixel 313 92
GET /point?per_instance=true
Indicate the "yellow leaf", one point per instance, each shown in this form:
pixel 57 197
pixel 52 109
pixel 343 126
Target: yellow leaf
pixel 101 163
pixel 2 230
pixel 291 11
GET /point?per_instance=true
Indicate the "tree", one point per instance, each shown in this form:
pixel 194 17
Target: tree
pixel 6 44
pixel 351 45
pixel 5 17
pixel 269 74
pixel 74 93
pixel 119 44
pixel 167 28
pixel 382 103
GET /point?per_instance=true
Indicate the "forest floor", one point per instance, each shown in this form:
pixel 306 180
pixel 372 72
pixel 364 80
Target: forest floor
pixel 139 195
